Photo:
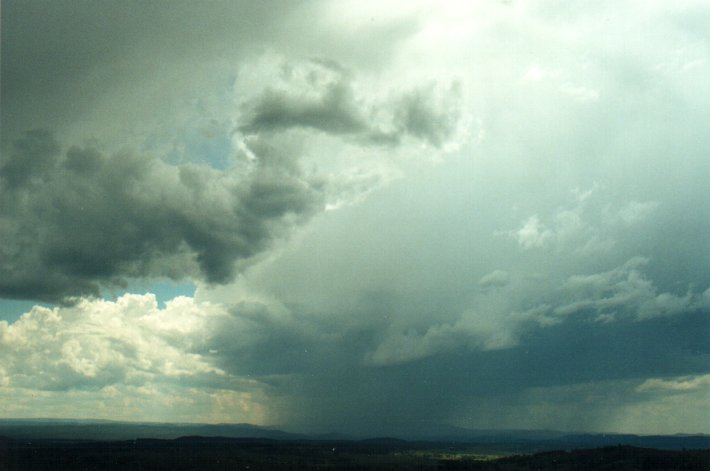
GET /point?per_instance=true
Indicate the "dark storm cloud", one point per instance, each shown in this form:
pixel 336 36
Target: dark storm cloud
pixel 316 366
pixel 73 220
pixel 331 110
pixel 326 101
pixel 77 219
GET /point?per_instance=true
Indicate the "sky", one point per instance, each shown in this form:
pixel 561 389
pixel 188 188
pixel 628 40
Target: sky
pixel 357 216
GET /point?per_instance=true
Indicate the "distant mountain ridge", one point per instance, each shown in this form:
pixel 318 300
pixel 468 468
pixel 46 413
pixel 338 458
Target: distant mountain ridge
pixel 532 440
pixel 116 430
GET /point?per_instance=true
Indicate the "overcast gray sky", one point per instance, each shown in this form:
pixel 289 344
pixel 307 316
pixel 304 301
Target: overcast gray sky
pixel 363 217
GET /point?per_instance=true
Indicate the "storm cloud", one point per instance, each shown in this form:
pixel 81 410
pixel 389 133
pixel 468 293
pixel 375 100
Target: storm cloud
pixel 75 219
pixel 321 96
pixel 393 217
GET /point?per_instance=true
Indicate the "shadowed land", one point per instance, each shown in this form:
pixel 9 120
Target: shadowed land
pixel 216 453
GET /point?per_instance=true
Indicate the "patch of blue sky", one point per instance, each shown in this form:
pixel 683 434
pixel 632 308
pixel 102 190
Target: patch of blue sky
pixel 206 146
pixel 12 309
